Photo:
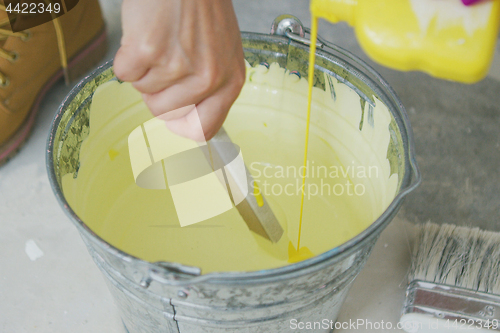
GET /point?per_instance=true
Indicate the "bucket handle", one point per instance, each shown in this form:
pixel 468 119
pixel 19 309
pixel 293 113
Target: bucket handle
pixel 291 27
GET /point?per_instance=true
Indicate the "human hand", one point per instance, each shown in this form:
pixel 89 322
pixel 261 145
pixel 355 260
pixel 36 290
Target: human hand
pixel 179 53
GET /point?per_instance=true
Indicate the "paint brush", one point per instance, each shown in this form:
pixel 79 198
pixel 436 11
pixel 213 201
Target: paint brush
pixel 224 155
pixel 454 281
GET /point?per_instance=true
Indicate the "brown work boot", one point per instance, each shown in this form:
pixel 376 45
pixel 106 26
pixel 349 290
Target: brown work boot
pixel 33 60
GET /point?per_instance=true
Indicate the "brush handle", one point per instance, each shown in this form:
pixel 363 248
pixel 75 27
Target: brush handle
pixel 258 216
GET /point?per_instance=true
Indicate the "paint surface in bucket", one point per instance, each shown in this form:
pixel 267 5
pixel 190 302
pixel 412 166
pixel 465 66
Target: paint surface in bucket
pixel 347 153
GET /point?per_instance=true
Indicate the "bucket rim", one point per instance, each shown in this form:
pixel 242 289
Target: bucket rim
pixel 312 264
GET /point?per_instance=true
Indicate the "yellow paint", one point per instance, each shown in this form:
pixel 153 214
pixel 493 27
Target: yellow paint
pixel 258 194
pixel 144 223
pixel 295 256
pixel 442 38
pixel 112 154
pixel 310 80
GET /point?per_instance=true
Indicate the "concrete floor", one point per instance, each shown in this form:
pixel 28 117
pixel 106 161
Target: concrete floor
pixel 457 141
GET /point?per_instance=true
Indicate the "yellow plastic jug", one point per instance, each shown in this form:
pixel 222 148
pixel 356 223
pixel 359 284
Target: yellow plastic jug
pixel 443 38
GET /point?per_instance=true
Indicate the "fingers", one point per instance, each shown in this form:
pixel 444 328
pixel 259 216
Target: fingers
pixel 214 109
pixel 141 42
pixel 182 93
pixel 212 100
pixel 193 88
pixel 179 53
pixel 160 78
pixel 129 65
pixel 210 113
pixel 188 126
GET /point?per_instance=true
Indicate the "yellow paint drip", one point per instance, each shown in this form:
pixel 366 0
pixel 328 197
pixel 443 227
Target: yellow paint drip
pixel 112 154
pixel 296 256
pixel 258 194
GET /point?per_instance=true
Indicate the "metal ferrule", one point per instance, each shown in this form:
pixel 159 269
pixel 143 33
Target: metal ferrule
pixel 453 304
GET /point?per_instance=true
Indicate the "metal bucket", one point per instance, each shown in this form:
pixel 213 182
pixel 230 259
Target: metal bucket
pixel 166 297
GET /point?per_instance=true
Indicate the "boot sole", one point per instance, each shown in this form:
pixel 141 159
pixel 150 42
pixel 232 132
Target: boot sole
pixel 82 62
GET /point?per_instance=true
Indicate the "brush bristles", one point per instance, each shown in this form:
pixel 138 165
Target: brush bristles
pixel 457 256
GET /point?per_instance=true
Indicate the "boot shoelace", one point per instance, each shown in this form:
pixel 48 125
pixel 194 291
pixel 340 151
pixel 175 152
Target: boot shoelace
pixel 25 36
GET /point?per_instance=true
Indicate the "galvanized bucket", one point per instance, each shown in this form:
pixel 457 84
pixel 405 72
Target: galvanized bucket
pixel 166 297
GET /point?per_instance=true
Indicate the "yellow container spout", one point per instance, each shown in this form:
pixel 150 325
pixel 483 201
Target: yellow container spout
pixel 445 39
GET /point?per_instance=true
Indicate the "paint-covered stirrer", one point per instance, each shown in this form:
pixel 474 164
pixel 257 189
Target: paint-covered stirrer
pixel 224 155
